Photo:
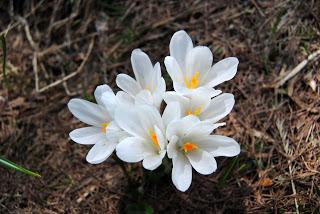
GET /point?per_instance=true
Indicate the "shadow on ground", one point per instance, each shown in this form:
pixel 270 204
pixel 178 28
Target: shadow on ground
pixel 206 195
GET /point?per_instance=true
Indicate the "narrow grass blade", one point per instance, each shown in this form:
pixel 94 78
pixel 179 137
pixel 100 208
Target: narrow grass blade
pixel 11 165
pixel 4 51
pixel 227 173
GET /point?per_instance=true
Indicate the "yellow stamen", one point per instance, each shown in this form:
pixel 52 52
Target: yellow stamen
pixel 154 139
pixel 187 147
pixel 148 87
pixel 194 81
pixel 196 112
pixel 104 127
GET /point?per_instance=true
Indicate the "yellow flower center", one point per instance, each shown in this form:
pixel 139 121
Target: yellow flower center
pixel 148 87
pixel 187 147
pixel 193 82
pixel 104 127
pixel 196 111
pixel 154 139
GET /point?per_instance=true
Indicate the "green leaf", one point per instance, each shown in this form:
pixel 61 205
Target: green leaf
pixel 4 51
pixel 11 165
pixel 139 208
pixel 227 173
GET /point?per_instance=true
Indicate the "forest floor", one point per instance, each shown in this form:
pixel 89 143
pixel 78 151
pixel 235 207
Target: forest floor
pixel 57 50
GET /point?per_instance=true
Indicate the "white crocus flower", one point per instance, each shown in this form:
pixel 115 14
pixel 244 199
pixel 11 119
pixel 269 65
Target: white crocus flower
pixel 202 106
pixel 192 146
pixel 148 87
pixel 190 68
pixel 103 132
pixel 147 129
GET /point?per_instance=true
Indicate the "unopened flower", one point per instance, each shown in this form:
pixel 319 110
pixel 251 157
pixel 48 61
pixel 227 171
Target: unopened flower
pixel 202 106
pixel 147 142
pixel 148 87
pixel 190 68
pixel 103 132
pixel 192 146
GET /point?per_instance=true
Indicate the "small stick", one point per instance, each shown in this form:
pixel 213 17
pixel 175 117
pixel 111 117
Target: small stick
pixel 258 8
pixel 298 68
pixel 28 34
pixel 293 188
pixel 35 48
pixel 35 70
pixel 55 48
pixel 72 74
pixel 11 26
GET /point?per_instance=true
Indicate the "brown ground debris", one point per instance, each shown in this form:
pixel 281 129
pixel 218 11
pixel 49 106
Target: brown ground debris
pixel 88 43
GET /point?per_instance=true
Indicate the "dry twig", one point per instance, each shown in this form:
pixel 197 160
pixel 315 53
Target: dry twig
pixel 297 69
pixel 72 74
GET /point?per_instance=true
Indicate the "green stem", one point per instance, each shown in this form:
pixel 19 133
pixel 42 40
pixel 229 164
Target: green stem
pixel 4 51
pixel 227 173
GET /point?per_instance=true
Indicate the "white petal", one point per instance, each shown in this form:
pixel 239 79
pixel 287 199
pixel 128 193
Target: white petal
pixel 172 147
pixel 159 93
pixel 197 101
pixel 99 91
pixel 142 68
pixel 181 172
pixel 156 75
pixel 100 152
pixel 208 91
pixel 174 70
pixel 87 135
pixel 144 97
pixel 184 91
pixel 181 88
pixel 202 161
pixel 181 126
pixel 199 59
pixel 172 96
pixel 171 112
pixel 222 71
pixel 200 129
pixel 180 45
pixel 219 107
pixel 133 149
pixel 149 117
pixel 109 101
pixel 157 69
pixel 128 119
pixel 114 133
pixel 128 84
pixel 87 112
pixel 219 145
pixel 124 99
pixel 151 162
pixel 160 137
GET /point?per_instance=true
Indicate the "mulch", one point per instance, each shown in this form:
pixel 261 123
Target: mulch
pixel 57 50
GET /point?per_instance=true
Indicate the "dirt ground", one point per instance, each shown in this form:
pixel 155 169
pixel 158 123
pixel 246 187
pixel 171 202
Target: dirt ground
pixel 57 50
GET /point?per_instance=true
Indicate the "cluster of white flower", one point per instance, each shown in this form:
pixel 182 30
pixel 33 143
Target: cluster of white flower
pixel 130 121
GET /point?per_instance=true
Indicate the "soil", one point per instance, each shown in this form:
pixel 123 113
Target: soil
pixel 87 43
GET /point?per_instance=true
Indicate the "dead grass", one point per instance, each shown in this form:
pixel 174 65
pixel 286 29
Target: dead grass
pixel 277 127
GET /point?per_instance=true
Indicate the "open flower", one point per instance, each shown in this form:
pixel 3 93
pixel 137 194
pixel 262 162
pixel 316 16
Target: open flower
pixel 192 146
pixel 147 142
pixel 190 68
pixel 149 87
pixel 202 106
pixel 103 132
